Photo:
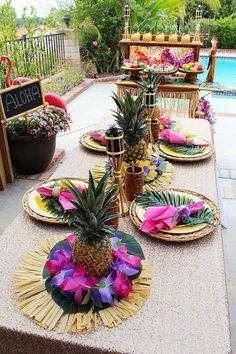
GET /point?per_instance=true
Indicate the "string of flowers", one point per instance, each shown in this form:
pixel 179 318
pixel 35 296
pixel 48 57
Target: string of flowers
pixel 75 284
pixel 204 111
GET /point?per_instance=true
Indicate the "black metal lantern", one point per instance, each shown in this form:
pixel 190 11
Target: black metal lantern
pixel 115 142
pixel 115 152
pixel 67 19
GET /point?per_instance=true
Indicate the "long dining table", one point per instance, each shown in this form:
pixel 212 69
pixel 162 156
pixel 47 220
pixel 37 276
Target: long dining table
pixel 187 309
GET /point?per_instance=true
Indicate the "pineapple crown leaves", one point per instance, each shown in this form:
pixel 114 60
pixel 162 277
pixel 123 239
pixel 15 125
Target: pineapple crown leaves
pixel 131 117
pixel 150 82
pixel 92 204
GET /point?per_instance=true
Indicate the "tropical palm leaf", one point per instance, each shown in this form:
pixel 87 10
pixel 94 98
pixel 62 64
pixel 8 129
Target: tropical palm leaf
pixel 54 207
pixel 183 149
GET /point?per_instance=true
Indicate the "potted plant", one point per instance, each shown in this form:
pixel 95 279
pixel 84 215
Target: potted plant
pixel 32 141
pixel 135 36
pixel 147 36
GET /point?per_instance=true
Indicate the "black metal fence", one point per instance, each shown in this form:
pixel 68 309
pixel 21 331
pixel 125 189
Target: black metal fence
pixel 41 54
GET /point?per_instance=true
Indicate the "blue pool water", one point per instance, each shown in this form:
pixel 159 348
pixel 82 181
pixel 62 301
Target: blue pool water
pixel 225 71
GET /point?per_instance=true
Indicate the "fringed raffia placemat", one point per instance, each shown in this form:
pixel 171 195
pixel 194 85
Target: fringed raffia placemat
pixel 160 181
pixel 36 303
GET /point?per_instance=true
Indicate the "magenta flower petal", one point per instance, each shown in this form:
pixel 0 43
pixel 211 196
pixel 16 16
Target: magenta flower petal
pixel 71 238
pixel 55 265
pixel 122 285
pixel 79 296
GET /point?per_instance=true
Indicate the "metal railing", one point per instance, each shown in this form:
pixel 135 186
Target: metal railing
pixel 46 53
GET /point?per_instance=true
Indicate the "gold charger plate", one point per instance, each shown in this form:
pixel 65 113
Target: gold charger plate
pixel 88 143
pixel 180 233
pixel 35 207
pixel 169 154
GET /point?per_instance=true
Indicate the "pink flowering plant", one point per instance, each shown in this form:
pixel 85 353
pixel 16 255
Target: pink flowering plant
pixel 42 123
pixel 75 290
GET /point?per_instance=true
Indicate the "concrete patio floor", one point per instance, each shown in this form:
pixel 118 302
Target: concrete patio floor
pixel 88 109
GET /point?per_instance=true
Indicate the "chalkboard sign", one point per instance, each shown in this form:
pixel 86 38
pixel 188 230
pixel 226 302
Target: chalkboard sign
pixel 17 100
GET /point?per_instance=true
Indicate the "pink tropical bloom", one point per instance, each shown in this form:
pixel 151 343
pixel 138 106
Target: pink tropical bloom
pixel 122 285
pixel 59 262
pixel 77 283
pixel 95 43
pixel 121 253
pixel 71 238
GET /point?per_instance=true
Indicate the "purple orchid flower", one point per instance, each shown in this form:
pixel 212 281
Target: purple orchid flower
pixel 104 289
pixel 65 249
pixel 127 269
pixel 64 273
pixel 146 171
pixel 183 215
pixel 116 242
pixel 156 161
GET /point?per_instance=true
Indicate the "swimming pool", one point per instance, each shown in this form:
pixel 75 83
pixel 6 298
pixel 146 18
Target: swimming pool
pixel 225 71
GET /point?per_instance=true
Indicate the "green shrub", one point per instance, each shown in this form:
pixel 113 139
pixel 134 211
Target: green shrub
pixel 224 29
pixel 90 69
pixel 63 81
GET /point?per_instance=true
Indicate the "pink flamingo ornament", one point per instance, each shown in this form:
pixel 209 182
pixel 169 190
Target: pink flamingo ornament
pixel 51 98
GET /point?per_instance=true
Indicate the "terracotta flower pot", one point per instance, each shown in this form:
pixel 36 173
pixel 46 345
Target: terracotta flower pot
pixel 134 182
pixel 30 154
pixel 155 126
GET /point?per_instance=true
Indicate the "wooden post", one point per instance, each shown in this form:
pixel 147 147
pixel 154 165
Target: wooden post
pixel 3 179
pixel 5 154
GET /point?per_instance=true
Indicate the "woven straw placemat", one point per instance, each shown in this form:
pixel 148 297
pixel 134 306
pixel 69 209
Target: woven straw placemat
pixel 208 229
pixel 33 214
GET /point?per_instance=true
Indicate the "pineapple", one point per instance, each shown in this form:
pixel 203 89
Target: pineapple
pixel 131 118
pixel 92 248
